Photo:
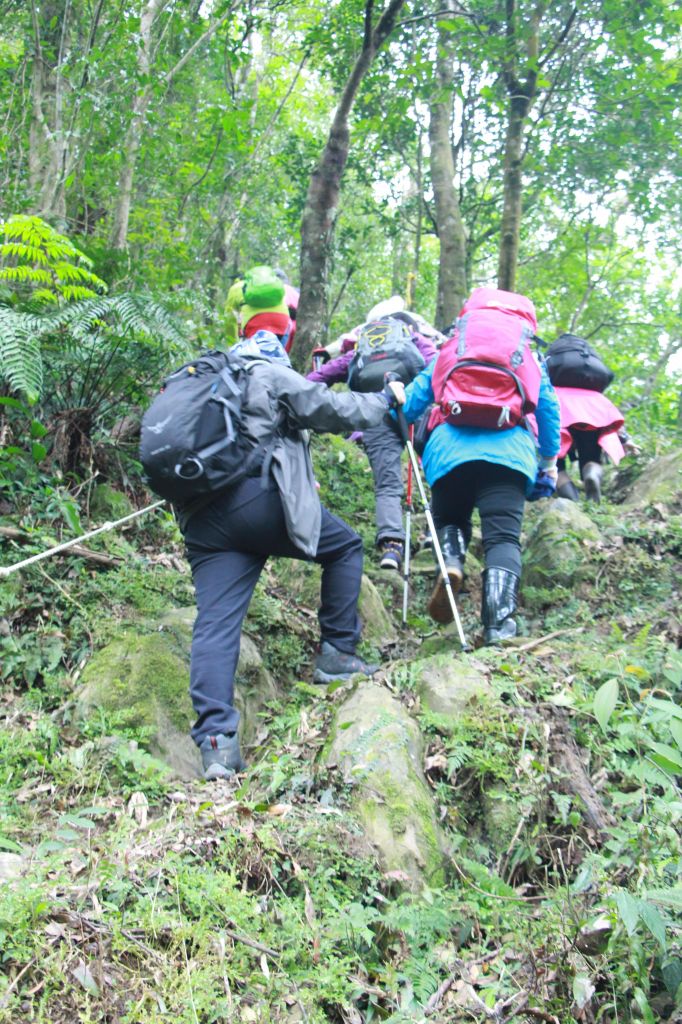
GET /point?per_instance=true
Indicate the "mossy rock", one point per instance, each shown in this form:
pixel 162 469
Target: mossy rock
pixel 557 545
pixel 500 815
pixel 254 686
pixel 448 686
pixel 141 681
pixel 660 483
pixel 108 504
pixel 380 750
pixel 303 587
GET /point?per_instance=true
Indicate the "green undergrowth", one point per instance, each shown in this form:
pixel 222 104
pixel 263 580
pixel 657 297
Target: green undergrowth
pixel 135 898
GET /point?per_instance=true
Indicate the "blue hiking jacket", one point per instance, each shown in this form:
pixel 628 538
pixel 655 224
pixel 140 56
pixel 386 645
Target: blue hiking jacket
pixel 449 446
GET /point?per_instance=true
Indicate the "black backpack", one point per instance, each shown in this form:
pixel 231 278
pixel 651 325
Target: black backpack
pixel 572 363
pixel 384 346
pixel 192 443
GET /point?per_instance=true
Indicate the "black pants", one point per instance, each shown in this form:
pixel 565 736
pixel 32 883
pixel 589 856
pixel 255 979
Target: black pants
pixel 585 448
pixel 228 543
pixel 499 494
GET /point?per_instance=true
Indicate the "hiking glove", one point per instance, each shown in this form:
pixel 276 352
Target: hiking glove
pixel 544 486
pixel 549 466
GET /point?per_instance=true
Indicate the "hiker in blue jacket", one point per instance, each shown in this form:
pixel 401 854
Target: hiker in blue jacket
pixel 494 471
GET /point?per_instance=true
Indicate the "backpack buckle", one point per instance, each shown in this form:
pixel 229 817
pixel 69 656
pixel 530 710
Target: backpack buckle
pixel 505 416
pixel 455 408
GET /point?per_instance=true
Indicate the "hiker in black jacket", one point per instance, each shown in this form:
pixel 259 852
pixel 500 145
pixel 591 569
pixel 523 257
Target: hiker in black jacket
pixel 276 511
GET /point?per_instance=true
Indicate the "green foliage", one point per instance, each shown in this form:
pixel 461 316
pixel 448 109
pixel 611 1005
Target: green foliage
pixel 42 266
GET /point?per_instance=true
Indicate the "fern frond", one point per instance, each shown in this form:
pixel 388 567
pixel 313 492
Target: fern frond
pixel 136 315
pixel 49 259
pixel 23 274
pixel 24 251
pixel 21 363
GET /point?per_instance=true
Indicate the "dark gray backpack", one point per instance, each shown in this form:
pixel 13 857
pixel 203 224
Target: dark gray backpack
pixel 192 443
pixel 384 346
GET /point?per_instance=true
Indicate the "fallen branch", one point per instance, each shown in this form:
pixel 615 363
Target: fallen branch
pixel 575 781
pixel 549 636
pixel 12 533
pixel 14 982
pixel 532 1011
pixel 246 941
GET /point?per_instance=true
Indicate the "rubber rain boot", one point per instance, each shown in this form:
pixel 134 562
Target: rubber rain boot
pixel 498 604
pixel 453 547
pixel 565 488
pixel 592 474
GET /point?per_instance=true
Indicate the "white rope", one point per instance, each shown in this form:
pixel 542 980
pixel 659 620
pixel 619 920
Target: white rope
pixel 5 570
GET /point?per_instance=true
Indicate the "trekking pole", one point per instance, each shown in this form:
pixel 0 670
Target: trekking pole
pixel 408 516
pixel 402 423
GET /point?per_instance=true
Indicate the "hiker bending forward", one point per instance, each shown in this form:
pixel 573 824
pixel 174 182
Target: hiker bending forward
pixel 382 442
pixel 275 511
pixel 493 470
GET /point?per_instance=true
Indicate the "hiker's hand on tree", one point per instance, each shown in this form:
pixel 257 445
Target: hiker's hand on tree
pixel 631 448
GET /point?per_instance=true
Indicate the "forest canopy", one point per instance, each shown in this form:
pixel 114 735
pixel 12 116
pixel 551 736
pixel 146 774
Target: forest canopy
pixel 365 150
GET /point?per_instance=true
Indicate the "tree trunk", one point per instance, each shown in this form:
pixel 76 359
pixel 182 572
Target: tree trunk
pixel 513 194
pixel 452 284
pixel 50 146
pixel 521 96
pixel 134 132
pixel 319 215
pixel 141 101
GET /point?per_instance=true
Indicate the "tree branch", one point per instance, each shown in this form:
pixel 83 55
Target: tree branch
pixel 195 45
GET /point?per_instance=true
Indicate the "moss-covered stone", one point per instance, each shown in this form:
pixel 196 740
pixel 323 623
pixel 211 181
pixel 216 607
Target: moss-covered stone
pixel 108 504
pixel 303 587
pixel 557 545
pixel 449 685
pixel 377 625
pixel 500 815
pixel 661 482
pixel 380 749
pixel 141 681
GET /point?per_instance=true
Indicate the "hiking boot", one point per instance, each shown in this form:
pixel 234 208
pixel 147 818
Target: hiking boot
pixel 592 474
pixel 332 664
pixel 391 555
pixel 565 488
pixel 453 547
pixel 498 604
pixel 221 757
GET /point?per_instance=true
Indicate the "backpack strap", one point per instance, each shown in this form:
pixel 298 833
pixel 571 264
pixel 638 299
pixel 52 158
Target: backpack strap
pixel 461 326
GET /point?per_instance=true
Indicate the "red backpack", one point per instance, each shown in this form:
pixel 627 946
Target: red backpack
pixel 486 374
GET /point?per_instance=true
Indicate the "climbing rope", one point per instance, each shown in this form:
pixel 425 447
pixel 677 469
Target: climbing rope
pixel 6 570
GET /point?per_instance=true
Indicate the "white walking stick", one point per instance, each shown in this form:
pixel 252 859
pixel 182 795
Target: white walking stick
pixel 402 422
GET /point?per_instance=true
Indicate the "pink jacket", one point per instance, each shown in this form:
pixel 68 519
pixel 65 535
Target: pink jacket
pixel 590 410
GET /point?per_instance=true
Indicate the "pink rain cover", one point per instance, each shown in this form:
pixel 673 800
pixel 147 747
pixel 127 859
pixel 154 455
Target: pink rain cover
pixel 590 410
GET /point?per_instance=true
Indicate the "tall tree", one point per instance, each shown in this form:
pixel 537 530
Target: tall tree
pixel 319 215
pixel 140 105
pixel 452 283
pixel 521 74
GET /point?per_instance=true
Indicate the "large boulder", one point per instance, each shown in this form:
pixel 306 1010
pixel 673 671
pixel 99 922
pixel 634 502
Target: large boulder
pixel 141 681
pixel 448 686
pixel 303 586
pixel 660 483
pixel 557 545
pixel 380 749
